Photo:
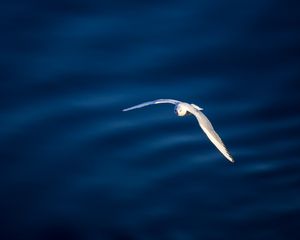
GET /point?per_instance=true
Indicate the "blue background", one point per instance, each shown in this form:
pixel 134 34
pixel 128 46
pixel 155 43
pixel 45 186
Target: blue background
pixel 73 166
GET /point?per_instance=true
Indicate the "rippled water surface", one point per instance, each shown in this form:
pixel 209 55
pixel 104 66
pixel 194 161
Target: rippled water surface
pixel 74 166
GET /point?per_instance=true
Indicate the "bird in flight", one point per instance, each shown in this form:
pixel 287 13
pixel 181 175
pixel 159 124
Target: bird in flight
pixel 183 109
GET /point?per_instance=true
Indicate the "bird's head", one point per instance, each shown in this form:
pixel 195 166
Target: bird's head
pixel 180 110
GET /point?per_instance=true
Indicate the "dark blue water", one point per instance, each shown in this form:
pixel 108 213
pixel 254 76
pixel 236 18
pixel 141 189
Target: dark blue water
pixel 73 166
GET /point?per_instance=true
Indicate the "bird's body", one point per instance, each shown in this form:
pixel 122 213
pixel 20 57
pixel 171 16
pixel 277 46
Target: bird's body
pixel 182 109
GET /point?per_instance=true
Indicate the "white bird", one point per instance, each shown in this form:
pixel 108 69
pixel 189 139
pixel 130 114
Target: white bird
pixel 182 109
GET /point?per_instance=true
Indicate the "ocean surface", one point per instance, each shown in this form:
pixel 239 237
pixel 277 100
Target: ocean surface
pixel 74 166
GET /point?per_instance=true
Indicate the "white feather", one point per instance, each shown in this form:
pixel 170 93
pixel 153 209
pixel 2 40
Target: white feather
pixel 208 129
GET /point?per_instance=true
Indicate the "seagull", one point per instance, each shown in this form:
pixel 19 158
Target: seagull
pixel 183 109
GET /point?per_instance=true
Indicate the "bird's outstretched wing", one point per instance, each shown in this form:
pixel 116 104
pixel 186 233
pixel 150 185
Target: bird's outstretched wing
pixel 208 129
pixel 158 101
